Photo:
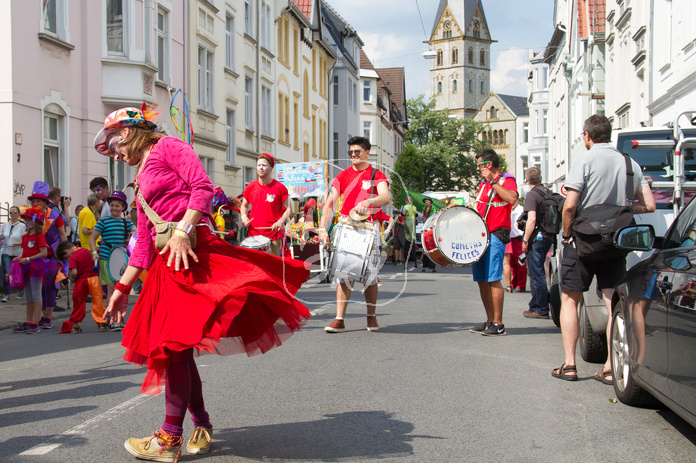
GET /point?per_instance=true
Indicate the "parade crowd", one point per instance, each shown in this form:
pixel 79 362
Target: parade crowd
pixel 204 288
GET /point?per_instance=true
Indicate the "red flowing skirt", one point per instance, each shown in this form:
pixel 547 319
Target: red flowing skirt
pixel 233 300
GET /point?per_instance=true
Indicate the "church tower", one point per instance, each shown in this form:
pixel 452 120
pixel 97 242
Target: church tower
pixel 460 73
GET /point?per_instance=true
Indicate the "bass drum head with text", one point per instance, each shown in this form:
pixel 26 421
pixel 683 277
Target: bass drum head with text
pixel 461 234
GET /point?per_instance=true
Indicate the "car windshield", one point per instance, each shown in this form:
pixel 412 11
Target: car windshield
pixel 657 165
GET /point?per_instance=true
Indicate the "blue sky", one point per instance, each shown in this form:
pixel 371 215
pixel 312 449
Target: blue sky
pixel 393 36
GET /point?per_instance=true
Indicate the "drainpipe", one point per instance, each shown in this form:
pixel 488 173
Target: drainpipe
pixel 651 58
pixel 258 78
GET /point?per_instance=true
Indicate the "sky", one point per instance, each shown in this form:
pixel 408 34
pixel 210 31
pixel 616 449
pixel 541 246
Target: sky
pixel 393 36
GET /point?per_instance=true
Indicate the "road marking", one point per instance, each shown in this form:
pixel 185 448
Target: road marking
pixel 45 447
pixel 321 309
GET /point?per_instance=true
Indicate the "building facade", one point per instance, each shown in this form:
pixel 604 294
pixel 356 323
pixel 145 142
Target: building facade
pixel 460 71
pixel 537 130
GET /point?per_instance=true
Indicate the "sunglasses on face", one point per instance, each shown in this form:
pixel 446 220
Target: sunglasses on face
pixel 354 153
pixel 14 212
pixel 482 163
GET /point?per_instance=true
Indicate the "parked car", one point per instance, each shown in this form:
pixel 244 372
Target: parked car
pixel 653 336
pixel 653 149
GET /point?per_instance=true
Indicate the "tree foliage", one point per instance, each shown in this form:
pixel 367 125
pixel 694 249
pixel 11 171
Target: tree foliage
pixel 439 150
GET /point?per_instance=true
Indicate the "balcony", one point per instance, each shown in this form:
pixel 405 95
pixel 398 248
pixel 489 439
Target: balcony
pixel 126 82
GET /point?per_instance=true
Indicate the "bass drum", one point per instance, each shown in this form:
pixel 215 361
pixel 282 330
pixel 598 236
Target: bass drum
pixel 117 262
pixel 455 236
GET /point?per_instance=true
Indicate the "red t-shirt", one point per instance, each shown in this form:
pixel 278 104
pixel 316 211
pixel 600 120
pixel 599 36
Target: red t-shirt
pixel 355 186
pixel 82 261
pixel 498 217
pixel 266 207
pixel 32 244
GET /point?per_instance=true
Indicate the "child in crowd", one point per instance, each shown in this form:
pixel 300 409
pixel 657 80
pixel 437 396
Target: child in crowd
pixel 86 281
pixel 115 231
pixel 30 267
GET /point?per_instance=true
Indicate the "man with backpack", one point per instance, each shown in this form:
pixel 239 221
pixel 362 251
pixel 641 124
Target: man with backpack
pixel 543 210
pixel 601 180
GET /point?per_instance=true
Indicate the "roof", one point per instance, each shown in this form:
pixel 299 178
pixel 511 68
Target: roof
pixel 305 7
pixel 463 18
pixel 339 29
pixel 516 104
pixel 591 17
pixel 395 80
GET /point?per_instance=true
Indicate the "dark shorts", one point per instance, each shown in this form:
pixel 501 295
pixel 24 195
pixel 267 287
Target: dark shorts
pixel 577 275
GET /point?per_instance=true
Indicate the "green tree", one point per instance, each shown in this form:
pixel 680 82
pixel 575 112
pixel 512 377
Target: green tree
pixel 445 146
pixel 408 173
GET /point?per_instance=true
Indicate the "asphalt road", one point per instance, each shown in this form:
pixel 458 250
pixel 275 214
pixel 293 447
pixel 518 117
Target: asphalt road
pixel 423 389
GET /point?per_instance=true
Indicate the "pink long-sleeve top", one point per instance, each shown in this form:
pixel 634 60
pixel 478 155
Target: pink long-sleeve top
pixel 172 181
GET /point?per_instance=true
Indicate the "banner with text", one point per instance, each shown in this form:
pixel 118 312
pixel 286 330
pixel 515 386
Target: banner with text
pixel 302 178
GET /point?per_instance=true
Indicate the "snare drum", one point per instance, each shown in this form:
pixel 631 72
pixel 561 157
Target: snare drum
pixel 257 242
pixel 117 262
pixel 455 236
pixel 352 245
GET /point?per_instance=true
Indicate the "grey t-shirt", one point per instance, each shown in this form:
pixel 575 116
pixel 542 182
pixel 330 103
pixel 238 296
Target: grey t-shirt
pixel 600 177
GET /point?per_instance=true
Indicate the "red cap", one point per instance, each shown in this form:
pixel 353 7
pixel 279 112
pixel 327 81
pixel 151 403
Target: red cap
pixel 269 158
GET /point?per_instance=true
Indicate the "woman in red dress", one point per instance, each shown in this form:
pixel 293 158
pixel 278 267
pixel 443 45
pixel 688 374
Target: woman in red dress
pixel 191 302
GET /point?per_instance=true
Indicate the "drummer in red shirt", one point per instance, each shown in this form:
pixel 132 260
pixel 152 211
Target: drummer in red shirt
pixel 269 205
pixel 356 186
pixel 497 193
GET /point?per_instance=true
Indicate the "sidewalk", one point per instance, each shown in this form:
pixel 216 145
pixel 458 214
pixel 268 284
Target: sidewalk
pixel 14 312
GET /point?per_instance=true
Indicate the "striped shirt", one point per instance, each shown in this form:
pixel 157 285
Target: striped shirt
pixel 113 232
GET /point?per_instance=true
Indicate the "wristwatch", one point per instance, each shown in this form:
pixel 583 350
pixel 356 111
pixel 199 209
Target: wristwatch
pixel 494 181
pixel 525 241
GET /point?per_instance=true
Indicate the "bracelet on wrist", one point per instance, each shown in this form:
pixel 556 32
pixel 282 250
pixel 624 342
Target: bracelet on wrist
pixel 178 232
pixel 125 289
pixel 185 227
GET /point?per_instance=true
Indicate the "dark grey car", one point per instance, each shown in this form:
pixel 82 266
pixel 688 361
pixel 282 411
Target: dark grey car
pixel 653 352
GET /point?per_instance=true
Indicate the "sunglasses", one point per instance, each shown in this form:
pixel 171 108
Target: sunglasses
pixel 354 153
pixel 14 212
pixel 482 163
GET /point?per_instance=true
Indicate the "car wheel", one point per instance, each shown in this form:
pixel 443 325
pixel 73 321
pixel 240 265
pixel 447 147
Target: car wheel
pixel 625 387
pixel 593 346
pixel 555 300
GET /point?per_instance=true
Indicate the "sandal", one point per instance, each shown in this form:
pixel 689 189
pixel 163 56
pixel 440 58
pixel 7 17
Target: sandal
pixel 561 373
pixel 509 289
pixel 601 376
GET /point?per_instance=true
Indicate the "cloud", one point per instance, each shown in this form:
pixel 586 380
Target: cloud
pixel 509 75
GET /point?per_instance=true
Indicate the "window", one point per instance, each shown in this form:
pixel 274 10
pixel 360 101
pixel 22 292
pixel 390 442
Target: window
pixel 495 137
pixel 493 112
pixel 206 22
pixel 471 55
pixel 296 118
pixel 335 90
pixel 248 17
pixel 114 26
pixel 454 86
pixel 482 58
pixel 477 29
pixel 163 41
pixel 351 85
pixel 439 57
pixel 249 103
pixel 52 154
pixel 306 151
pixel 355 96
pixel 483 87
pixel 229 42
pixel 545 121
pixel 471 86
pixel 283 40
pixel 367 91
pixel 305 96
pixel 439 88
pixel 314 68
pixel 249 174
pixel 295 49
pixel 50 17
pixel 367 130
pixel 283 118
pixel 455 56
pixel 266 25
pixel 335 146
pixel 266 111
pixel 230 137
pixel 314 134
pixel 205 79
pixel 208 165
pixel 525 132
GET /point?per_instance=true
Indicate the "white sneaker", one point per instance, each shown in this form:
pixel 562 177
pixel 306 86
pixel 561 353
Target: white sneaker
pixel 6 299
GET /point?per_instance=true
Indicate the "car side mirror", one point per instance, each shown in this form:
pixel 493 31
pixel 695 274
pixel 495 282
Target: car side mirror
pixel 635 238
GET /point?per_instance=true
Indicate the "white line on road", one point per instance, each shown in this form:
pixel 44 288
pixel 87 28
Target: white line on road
pixel 321 310
pixel 44 448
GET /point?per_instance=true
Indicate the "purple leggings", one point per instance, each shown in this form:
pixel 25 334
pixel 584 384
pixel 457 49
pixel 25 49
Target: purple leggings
pixel 183 388
pixel 48 292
